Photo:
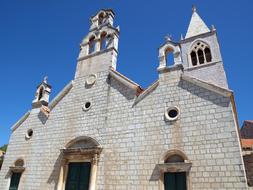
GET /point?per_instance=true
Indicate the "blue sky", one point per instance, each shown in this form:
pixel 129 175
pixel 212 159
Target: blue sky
pixel 42 37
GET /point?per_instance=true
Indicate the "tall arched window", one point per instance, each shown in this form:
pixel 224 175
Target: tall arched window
pixel 208 54
pixel 92 44
pixel 194 58
pixel 103 43
pixel 200 54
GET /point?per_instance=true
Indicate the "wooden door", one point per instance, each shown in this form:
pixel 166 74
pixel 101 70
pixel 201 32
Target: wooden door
pixel 15 178
pixel 78 176
pixel 175 181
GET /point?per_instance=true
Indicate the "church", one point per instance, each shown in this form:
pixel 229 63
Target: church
pixel 103 131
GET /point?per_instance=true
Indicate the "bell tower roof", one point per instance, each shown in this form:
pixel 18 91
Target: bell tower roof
pixel 197 25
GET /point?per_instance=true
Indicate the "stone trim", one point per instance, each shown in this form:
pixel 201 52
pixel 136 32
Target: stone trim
pixel 214 88
pixel 170 68
pixel 81 151
pixel 206 64
pixel 174 167
pixel 58 98
pixel 203 35
pixel 126 81
pixel 17 169
pixel 96 53
pixel 237 128
pixel 20 121
pixel 144 93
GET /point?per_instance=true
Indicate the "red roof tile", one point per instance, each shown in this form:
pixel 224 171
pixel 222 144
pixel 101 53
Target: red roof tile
pixel 247 143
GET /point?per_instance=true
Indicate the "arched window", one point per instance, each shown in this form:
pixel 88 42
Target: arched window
pixel 101 18
pixel 200 54
pixel 208 54
pixel 194 58
pixel 174 158
pixel 19 163
pixel 40 93
pixel 103 43
pixel 169 56
pixel 92 44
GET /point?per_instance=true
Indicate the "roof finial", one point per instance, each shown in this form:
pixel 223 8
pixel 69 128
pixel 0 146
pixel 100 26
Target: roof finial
pixel 45 79
pixel 181 37
pixel 194 9
pixel 168 37
pixel 213 28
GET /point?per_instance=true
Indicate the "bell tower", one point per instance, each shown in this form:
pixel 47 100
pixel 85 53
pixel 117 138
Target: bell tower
pixel 99 49
pixel 201 53
pixel 42 94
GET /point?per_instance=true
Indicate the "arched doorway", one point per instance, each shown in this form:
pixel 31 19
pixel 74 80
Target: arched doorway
pixel 175 180
pixel 79 164
pixel 175 171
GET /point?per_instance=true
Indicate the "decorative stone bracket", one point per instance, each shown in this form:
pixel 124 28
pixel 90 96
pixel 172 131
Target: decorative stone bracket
pixel 17 169
pixel 174 167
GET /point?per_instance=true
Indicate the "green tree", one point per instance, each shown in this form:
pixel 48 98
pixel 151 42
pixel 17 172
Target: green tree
pixel 4 147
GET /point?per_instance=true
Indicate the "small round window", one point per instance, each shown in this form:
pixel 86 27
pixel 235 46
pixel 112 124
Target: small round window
pixel 29 134
pixel 87 106
pixel 171 113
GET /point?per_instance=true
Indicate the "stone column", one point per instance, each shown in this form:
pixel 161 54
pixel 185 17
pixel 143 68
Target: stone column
pixel 61 180
pixel 93 177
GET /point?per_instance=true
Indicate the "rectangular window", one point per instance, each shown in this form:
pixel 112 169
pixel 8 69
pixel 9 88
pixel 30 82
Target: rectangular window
pixel 15 178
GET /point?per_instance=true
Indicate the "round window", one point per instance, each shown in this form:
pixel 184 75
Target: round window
pixel 87 106
pixel 91 79
pixel 29 134
pixel 171 113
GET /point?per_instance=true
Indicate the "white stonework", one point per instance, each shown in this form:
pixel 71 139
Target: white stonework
pixel 124 134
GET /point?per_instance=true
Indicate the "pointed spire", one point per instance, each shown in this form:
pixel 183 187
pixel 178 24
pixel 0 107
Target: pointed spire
pixel 197 25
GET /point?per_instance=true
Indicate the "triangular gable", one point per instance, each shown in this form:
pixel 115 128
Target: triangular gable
pixel 60 95
pixel 20 121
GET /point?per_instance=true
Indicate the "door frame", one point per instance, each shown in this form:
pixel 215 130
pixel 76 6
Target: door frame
pixel 68 158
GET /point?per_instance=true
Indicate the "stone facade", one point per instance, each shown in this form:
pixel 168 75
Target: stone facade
pixel 108 120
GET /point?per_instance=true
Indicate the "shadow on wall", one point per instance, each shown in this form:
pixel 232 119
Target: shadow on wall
pixel 205 94
pixel 128 93
pixel 155 176
pixel 54 176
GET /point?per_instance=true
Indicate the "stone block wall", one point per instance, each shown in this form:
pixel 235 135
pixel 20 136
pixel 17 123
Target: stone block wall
pixel 134 137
